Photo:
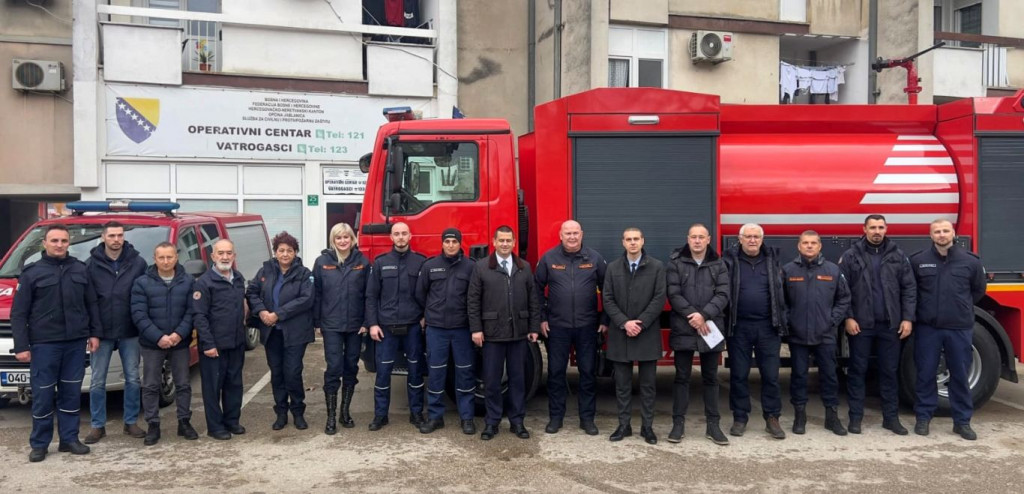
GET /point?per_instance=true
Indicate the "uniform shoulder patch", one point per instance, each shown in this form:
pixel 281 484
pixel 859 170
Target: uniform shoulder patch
pixel 196 295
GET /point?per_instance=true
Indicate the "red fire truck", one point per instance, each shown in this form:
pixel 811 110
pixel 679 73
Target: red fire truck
pixel 661 160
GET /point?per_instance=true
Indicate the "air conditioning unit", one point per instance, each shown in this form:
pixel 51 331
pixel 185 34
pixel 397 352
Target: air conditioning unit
pixel 37 75
pixel 710 46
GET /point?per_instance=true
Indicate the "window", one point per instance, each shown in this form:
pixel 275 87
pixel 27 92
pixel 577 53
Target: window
pixel 279 215
pixel 188 245
pixel 435 172
pixel 969 22
pixel 636 57
pixel 251 247
pixel 210 235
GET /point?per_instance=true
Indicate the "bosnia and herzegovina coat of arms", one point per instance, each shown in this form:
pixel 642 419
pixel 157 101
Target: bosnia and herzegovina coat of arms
pixel 138 117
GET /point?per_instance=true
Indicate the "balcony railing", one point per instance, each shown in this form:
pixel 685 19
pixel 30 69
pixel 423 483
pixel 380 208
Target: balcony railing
pixel 994 67
pixel 202 45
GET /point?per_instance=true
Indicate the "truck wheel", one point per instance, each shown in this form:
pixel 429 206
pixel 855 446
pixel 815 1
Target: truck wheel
pixel 252 338
pixel 982 375
pixel 534 373
pixel 167 387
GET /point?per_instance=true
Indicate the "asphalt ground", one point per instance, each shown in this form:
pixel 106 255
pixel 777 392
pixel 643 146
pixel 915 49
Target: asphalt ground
pixel 400 459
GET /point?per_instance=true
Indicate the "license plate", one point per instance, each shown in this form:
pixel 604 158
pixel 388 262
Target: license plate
pixel 13 378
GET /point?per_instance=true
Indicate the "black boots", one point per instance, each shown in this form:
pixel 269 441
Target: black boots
pixel 346 400
pixel 185 430
pixel 832 422
pixel 282 420
pixel 714 433
pixel 332 409
pixel 152 434
pixel 800 419
pixel 678 430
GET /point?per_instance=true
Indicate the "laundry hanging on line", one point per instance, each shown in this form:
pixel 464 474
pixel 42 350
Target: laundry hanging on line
pixel 795 79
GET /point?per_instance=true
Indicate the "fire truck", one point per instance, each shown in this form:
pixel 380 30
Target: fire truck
pixel 662 160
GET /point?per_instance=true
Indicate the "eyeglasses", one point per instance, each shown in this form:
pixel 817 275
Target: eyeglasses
pixel 751 237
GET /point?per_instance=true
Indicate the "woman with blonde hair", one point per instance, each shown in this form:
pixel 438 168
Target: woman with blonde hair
pixel 339 281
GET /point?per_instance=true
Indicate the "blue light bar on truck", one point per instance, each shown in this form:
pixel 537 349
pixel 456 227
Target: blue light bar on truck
pixel 122 206
pixel 396 113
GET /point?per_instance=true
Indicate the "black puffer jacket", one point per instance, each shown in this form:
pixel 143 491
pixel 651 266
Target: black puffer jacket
pixel 702 288
pixel 503 307
pixel 776 293
pixel 114 289
pixel 818 300
pixel 898 285
pixel 572 280
pixel 340 291
pixel 54 302
pixel 160 309
pixel 295 312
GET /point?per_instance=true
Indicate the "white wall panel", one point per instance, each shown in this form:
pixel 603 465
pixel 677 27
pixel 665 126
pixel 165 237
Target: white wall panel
pixel 207 179
pixel 141 53
pixel 292 53
pixel 400 70
pixel 275 180
pixel 133 178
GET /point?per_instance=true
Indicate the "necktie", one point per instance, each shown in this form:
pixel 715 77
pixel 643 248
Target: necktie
pixel 632 268
pixel 504 265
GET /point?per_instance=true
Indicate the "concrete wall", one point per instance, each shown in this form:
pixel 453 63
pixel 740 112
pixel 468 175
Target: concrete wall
pixel 35 129
pixel 19 19
pixel 838 17
pixel 751 77
pixel 902 31
pixel 492 52
pixel 951 76
pixel 742 9
pixel 644 12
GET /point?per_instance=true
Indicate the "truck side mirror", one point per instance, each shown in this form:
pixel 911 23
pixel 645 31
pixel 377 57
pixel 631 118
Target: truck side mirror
pixel 395 202
pixel 364 162
pixel 195 267
pixel 396 167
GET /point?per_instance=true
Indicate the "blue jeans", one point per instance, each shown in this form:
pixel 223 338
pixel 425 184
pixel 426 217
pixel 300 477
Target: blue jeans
pixel 584 340
pixel 56 373
pixel 763 342
pixel 955 345
pixel 341 352
pixel 387 351
pixel 128 349
pixel 886 342
pixel 825 358
pixel 457 343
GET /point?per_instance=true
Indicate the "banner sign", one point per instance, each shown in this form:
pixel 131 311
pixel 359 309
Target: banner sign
pixel 192 122
pixel 343 181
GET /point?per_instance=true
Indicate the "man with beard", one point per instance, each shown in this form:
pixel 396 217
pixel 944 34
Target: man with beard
pixel 393 316
pixel 113 267
pixel 950 280
pixel 884 296
pixel 219 311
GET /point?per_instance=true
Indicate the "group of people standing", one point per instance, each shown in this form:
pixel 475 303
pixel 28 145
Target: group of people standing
pixel 745 300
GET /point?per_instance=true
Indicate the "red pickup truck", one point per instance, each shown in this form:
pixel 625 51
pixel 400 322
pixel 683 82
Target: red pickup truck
pixel 146 225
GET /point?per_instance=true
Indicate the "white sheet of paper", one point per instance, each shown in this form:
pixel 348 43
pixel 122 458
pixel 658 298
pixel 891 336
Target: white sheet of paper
pixel 714 336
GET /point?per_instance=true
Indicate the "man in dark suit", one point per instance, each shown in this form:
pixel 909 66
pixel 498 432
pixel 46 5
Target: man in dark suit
pixel 504 313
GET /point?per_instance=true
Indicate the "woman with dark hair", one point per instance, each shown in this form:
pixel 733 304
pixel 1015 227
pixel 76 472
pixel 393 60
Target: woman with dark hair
pixel 339 279
pixel 281 296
